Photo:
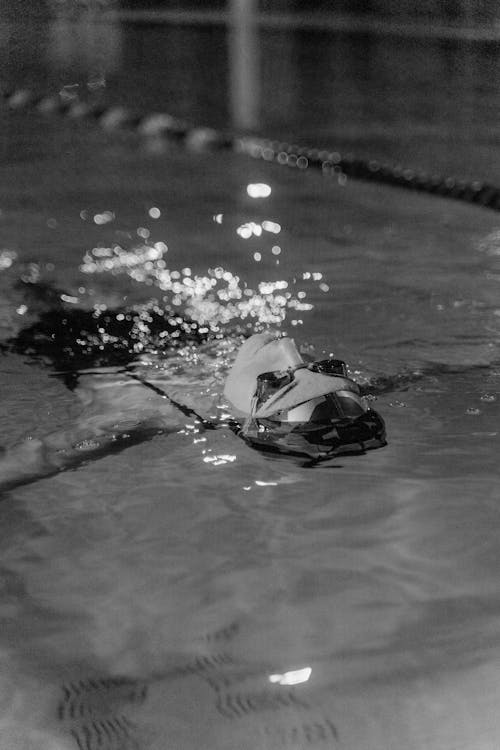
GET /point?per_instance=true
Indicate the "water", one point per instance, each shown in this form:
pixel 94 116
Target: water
pixel 428 103
pixel 165 594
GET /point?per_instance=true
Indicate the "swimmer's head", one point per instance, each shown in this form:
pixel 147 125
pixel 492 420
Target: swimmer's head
pixel 291 406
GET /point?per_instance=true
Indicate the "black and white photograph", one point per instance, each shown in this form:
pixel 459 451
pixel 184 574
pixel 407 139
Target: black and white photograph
pixel 249 375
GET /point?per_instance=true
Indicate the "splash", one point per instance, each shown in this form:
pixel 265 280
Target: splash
pixel 212 300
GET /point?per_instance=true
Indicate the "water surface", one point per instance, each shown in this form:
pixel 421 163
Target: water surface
pixel 171 594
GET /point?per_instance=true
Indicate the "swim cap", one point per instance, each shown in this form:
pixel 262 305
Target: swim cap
pixel 291 406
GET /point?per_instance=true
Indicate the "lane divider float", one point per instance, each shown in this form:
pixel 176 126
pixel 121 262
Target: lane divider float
pixel 328 162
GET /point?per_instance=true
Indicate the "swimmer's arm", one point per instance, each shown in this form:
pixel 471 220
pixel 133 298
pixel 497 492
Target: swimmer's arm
pixel 90 439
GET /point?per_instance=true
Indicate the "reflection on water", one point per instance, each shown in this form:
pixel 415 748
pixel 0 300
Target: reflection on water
pixel 244 65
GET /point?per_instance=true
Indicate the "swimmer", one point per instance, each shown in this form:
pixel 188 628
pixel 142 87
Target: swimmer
pixel 119 407
pixel 290 406
pixel 280 403
pixel 96 355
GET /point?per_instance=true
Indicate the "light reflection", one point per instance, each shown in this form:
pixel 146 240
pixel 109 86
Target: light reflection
pixel 296 305
pixel 220 459
pixel 294 677
pixel 252 228
pixel 244 64
pixel 244 231
pixel 248 229
pixel 314 275
pixel 268 287
pixel 210 300
pixel 103 218
pixel 7 257
pixel 258 190
pixel 271 226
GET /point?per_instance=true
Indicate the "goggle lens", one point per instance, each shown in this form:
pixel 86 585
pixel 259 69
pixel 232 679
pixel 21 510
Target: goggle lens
pixel 269 383
pixel 319 410
pixel 325 409
pixel 329 367
pixel 350 403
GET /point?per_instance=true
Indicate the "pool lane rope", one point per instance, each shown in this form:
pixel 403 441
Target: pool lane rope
pixel 329 163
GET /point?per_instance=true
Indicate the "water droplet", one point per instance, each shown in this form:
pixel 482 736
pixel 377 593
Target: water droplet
pixel 86 445
pixel 104 218
pixel 271 226
pixel 258 190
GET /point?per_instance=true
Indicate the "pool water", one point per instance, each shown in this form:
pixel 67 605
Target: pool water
pixel 187 591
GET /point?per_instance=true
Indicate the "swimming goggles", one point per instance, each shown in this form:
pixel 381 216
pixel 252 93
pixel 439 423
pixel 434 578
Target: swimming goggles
pixel 320 427
pixel 269 383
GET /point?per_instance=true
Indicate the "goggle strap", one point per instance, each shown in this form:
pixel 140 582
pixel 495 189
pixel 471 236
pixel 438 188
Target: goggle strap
pixel 253 406
pixel 281 392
